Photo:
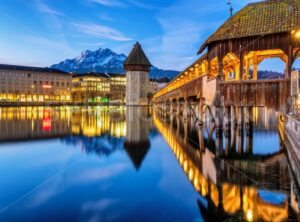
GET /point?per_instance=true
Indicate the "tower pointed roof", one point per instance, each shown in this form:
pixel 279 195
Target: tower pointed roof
pixel 137 57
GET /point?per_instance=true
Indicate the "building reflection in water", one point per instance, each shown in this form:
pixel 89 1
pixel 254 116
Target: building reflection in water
pixel 237 185
pixel 137 141
pixel 98 130
pixel 98 121
pixel 26 123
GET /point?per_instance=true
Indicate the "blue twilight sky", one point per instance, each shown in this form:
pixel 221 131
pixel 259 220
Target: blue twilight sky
pixel 44 32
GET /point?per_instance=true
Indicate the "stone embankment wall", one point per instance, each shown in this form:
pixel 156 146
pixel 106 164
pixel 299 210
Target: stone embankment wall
pixel 292 131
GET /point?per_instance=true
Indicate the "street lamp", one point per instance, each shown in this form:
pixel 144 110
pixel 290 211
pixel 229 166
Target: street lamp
pixel 296 34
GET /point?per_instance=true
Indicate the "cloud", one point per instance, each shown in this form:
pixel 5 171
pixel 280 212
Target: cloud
pixel 105 16
pixel 95 210
pixel 93 44
pixel 98 205
pixel 47 192
pixel 100 31
pixel 185 26
pixel 140 4
pixel 48 43
pixel 98 174
pixel 42 7
pixel 109 3
pixel 124 3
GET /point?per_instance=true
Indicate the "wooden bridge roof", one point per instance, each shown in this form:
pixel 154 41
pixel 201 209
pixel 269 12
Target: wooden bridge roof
pixel 257 19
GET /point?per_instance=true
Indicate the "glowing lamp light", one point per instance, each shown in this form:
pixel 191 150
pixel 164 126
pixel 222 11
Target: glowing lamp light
pixel 47 125
pixel 249 215
pixel 296 33
pixel 47 86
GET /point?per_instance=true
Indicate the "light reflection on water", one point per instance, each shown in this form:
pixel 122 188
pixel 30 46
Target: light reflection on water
pixel 113 164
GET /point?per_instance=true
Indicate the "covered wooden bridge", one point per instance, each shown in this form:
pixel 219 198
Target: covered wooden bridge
pixel 226 75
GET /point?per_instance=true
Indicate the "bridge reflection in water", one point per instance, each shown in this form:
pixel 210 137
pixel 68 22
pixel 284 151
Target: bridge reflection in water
pixel 236 180
pixel 238 183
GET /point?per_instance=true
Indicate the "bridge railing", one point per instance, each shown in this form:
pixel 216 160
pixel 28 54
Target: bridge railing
pixel 269 93
pixel 189 89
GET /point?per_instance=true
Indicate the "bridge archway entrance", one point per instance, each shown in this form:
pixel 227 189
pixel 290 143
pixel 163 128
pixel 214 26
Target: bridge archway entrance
pixel 253 59
pixel 231 67
pixel 271 68
pixel 214 67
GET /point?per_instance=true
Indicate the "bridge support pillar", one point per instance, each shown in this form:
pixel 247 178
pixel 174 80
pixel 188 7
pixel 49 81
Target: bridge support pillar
pixel 219 118
pixel 159 106
pixel 240 130
pixel 165 108
pixel 249 129
pixel 201 139
pixel 171 107
pixel 240 119
pixel 178 108
pixel 234 115
pixel 178 126
pixel 227 131
pixel 186 111
pixel 219 127
pixel 227 119
pixel 186 131
pixel 201 111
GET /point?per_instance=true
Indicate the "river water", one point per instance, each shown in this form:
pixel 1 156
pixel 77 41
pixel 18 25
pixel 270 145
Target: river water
pixel 118 164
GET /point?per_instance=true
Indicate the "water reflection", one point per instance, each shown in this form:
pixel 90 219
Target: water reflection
pixel 238 180
pixel 27 123
pixel 137 142
pixel 39 122
pixel 234 175
pixel 100 130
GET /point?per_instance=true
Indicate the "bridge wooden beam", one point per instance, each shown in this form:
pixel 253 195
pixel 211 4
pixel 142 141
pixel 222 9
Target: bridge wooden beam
pixel 255 66
pixel 220 68
pixel 289 62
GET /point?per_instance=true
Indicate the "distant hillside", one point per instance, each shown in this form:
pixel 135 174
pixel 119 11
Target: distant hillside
pixel 266 74
pixel 105 60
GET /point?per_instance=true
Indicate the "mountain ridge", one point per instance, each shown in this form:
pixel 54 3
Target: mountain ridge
pixel 104 60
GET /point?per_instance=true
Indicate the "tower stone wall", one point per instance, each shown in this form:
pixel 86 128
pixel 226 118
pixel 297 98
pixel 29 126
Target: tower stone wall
pixel 137 88
pixel 137 68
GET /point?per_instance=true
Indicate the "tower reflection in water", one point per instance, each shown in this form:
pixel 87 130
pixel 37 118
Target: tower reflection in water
pixel 236 183
pixel 100 130
pixel 137 143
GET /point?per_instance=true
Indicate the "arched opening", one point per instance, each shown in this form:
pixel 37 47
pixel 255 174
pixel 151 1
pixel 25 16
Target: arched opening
pixel 266 64
pixel 214 67
pixel 271 68
pixel 204 67
pixel 296 66
pixel 231 65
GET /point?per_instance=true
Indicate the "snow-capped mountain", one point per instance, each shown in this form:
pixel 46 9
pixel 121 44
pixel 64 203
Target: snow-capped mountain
pixel 104 60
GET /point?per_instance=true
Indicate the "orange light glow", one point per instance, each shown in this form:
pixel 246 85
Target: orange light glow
pixel 47 86
pixel 47 125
